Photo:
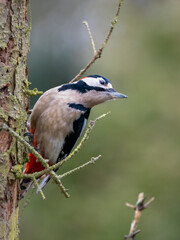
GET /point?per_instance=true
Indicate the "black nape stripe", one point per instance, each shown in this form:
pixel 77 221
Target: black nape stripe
pixel 81 87
pixel 81 108
pixel 78 107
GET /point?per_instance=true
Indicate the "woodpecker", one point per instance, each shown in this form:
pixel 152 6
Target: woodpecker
pixel 60 116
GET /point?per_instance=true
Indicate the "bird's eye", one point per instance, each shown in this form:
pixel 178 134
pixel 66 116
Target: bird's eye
pixel 102 82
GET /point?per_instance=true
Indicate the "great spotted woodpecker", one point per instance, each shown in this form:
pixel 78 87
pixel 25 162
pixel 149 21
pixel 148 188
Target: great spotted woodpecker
pixel 59 117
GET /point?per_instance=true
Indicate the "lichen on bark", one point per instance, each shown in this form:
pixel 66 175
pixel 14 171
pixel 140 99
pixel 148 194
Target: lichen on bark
pixel 14 46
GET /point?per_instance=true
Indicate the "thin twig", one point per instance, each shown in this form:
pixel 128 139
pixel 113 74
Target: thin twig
pixel 130 205
pixel 90 36
pixel 38 187
pixel 139 207
pixel 92 161
pixel 59 183
pixel 148 202
pixel 100 50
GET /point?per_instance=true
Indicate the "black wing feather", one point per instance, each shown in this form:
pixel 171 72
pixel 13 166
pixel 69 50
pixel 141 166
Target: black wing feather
pixel 72 138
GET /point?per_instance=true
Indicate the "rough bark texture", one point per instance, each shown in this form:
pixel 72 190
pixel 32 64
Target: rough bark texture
pixel 14 46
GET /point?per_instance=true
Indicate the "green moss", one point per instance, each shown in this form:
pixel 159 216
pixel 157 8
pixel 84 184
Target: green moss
pixel 13 229
pixel 3 173
pixel 19 112
pixel 26 83
pixel 3 234
pixel 3 115
pixel 29 92
pixel 5 74
pixel 18 171
pixel 33 92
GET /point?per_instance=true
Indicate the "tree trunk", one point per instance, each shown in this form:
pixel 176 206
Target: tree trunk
pixel 14 46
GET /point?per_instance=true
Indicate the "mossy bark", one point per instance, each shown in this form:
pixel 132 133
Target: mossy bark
pixel 14 46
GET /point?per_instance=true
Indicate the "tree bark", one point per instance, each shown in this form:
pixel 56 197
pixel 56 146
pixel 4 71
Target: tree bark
pixel 14 46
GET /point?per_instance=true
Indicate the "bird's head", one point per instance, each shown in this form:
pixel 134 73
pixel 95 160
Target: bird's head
pixel 93 90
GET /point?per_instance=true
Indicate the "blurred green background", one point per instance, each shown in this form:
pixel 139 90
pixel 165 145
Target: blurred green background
pixel 139 141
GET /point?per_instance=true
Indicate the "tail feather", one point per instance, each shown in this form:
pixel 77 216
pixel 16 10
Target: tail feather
pixel 45 179
pixel 31 167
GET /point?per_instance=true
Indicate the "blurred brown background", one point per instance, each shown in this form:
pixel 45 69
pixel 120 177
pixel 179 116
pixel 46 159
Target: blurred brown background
pixel 139 141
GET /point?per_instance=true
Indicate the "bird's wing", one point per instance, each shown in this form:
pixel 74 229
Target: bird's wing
pixel 71 139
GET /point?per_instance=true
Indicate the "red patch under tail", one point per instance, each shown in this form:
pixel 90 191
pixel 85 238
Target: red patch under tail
pixel 33 166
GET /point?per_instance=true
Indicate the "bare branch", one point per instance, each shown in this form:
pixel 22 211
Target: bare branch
pixel 132 236
pixel 59 183
pixel 138 209
pixel 38 187
pixel 146 205
pixel 92 161
pixel 100 50
pixel 130 205
pixel 90 36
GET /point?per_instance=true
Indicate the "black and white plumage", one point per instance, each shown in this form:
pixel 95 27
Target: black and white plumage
pixel 59 117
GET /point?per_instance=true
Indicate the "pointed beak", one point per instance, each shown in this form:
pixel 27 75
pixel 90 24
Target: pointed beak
pixel 115 94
